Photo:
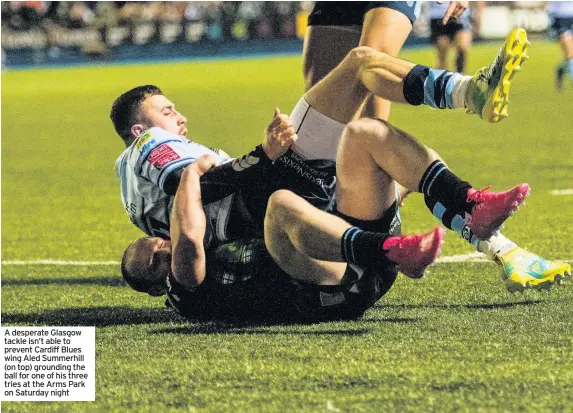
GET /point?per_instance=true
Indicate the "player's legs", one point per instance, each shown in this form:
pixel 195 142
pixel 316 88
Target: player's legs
pixel 442 46
pixel 418 169
pixel 563 28
pixel 463 42
pixel 342 93
pixel 294 230
pixel 384 29
pixel 301 239
pixel 520 269
pixel 324 48
pixel 368 150
pixel 566 43
pixel 377 145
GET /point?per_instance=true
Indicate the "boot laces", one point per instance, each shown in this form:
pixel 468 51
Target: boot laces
pixel 478 196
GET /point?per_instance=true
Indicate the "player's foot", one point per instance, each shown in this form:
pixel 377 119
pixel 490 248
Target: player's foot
pixel 493 208
pixel 559 75
pixel 488 91
pixel 522 270
pixel 413 253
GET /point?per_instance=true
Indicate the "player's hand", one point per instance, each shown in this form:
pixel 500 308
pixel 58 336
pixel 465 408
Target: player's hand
pixel 279 136
pixel 455 10
pixel 202 164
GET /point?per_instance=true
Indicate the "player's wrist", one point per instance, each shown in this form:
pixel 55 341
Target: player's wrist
pixel 261 152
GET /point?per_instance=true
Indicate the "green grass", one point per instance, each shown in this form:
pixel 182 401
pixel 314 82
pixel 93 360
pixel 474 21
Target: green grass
pixel 454 341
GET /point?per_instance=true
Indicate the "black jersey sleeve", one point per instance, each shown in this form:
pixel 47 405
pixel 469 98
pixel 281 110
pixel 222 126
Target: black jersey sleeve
pixel 250 170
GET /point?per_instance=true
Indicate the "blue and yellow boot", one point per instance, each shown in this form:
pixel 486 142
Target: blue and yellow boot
pixel 488 91
pixel 522 270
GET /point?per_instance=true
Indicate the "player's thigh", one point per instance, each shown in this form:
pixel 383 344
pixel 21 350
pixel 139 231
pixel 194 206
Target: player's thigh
pixel 302 267
pixel 282 213
pixel 385 30
pixel 463 39
pixel 324 48
pixel 443 43
pixel 363 189
pixel 341 94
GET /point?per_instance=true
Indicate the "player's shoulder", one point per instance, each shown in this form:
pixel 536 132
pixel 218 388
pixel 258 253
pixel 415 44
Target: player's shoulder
pixel 119 162
pixel 153 138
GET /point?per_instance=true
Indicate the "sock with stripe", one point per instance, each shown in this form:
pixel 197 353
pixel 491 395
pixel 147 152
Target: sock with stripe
pixel 497 244
pixel 439 89
pixel 362 247
pixel 442 184
pixel 451 220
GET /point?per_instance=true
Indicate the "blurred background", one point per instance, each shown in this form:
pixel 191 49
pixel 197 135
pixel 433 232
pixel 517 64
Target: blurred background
pixel 47 33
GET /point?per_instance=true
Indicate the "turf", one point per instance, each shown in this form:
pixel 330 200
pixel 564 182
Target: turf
pixel 454 341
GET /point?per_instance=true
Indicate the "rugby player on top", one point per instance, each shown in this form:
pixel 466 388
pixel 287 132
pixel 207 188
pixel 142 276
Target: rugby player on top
pixel 155 161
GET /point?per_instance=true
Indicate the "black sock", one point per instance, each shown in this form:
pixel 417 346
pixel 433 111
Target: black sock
pixel 414 85
pixel 362 247
pixel 461 62
pixel 441 183
pixel 451 220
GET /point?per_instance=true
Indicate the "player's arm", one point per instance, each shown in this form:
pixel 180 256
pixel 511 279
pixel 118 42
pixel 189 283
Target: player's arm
pixel 247 170
pixel 455 10
pixel 188 225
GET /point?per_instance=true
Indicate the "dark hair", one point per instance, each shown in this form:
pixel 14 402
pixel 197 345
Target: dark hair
pixel 125 111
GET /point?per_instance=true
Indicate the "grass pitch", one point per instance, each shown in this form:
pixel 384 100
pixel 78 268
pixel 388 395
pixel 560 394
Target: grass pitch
pixel 454 341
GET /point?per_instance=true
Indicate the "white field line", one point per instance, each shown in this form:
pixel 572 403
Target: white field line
pixel 472 257
pixel 562 192
pixel 58 262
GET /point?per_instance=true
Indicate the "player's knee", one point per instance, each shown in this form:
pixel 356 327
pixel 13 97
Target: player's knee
pixel 365 132
pixel 362 57
pixel 280 209
pixel 280 215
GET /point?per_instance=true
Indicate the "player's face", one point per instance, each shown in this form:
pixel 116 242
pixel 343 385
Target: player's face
pixel 161 112
pixel 159 262
pixel 152 261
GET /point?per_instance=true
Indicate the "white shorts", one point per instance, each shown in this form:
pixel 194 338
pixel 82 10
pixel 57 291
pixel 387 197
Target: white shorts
pixel 318 135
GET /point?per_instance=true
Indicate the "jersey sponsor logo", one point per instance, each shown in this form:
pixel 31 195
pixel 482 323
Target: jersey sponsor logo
pixel 302 168
pixel 147 146
pixel 162 155
pixel 142 140
pixel 244 162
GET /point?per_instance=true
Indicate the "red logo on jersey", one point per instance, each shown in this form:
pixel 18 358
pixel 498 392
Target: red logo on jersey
pixel 162 155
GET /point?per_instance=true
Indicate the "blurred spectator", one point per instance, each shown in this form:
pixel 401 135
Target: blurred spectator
pixel 23 15
pixel 173 11
pixel 80 16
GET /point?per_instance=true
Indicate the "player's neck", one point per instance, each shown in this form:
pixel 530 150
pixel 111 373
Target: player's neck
pixel 129 141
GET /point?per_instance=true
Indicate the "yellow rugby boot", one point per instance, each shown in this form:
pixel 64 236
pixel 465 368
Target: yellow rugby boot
pixel 488 91
pixel 522 270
